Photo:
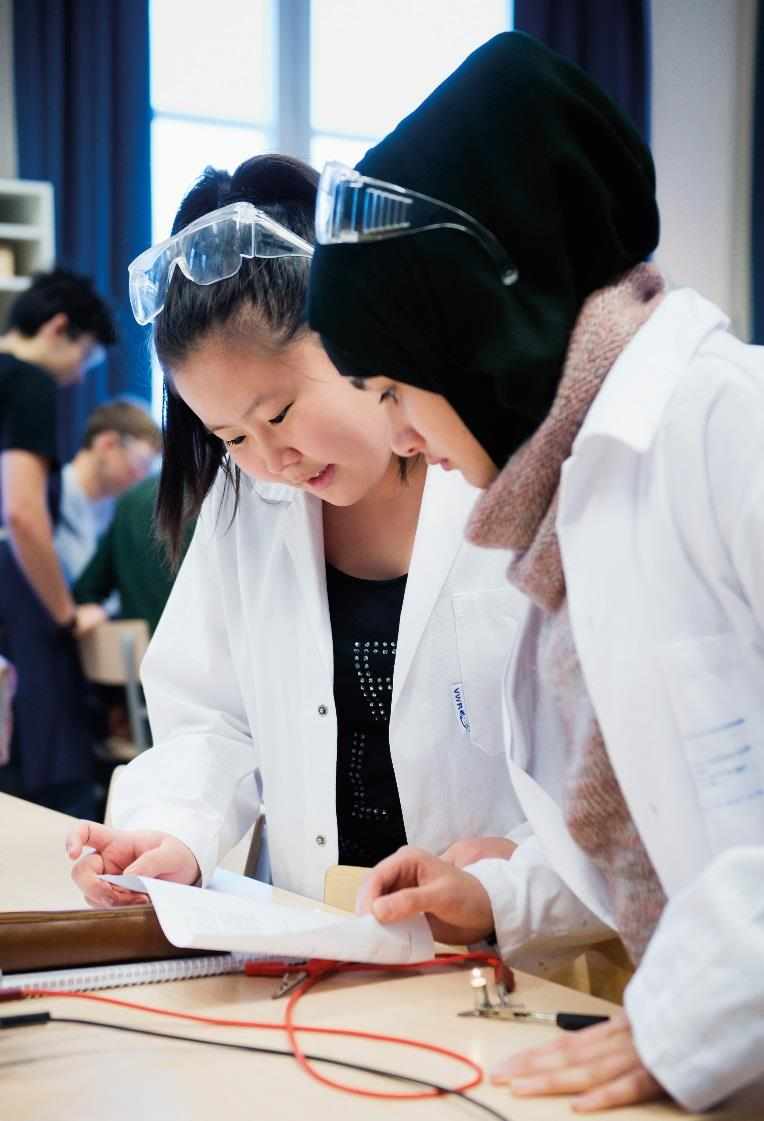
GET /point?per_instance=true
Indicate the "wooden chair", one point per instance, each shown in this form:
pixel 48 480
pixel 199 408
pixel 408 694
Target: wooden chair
pixel 111 655
pixel 110 794
pixel 250 856
pixel 341 884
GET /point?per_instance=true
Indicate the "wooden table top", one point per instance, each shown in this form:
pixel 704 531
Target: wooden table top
pixel 61 1071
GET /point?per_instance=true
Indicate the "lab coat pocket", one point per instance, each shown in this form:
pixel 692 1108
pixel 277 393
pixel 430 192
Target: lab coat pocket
pixel 718 714
pixel 486 628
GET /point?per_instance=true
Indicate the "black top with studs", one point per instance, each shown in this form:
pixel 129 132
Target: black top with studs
pixel 365 615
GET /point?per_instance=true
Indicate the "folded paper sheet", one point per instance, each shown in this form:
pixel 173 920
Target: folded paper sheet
pixel 198 918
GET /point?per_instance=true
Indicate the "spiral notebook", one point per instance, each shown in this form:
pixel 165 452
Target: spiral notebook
pixel 133 973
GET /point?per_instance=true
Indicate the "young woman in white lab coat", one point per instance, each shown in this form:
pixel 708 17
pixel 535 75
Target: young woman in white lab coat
pixel 331 643
pixel 633 497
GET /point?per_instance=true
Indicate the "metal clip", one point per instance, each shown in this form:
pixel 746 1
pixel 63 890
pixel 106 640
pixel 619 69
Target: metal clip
pixel 289 982
pixel 479 987
pixel 483 1007
pixel 481 999
pixel 505 1010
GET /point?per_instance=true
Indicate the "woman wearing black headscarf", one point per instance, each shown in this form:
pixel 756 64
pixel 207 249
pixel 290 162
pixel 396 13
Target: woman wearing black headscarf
pixel 628 424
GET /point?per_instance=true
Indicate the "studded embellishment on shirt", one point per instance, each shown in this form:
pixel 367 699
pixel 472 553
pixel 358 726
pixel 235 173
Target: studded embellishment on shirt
pixel 355 772
pixel 365 617
pixel 375 679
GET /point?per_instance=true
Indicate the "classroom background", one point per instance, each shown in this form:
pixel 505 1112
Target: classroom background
pixel 115 102
pixel 110 109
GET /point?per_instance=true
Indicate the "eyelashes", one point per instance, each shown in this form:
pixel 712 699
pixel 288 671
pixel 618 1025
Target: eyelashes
pixel 388 394
pixel 278 419
pixel 237 441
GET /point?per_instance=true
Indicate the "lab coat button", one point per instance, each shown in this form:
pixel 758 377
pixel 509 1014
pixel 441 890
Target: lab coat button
pixel 320 839
pixel 322 710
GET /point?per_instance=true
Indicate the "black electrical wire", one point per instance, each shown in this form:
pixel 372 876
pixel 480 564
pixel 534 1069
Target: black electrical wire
pixel 445 1090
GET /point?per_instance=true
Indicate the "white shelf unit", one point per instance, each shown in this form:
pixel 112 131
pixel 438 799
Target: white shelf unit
pixel 26 228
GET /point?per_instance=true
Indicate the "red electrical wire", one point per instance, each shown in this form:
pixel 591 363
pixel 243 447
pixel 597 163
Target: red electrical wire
pixel 292 1029
pixel 359 967
pixel 413 1095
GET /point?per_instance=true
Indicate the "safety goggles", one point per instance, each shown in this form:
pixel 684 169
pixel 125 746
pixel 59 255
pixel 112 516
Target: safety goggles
pixel 206 251
pixel 352 208
pixel 94 356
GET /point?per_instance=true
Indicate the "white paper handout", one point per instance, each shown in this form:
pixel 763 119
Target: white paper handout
pixel 198 918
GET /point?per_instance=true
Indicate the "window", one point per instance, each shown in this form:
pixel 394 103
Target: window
pixel 212 92
pixel 318 79
pixel 372 64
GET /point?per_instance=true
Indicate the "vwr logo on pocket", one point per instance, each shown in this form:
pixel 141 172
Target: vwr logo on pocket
pixel 461 712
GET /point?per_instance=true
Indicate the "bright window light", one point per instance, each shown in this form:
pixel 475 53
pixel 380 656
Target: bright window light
pixel 372 64
pixel 214 60
pixel 181 150
pixel 348 150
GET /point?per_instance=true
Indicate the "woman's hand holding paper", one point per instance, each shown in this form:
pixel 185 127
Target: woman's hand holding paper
pixel 142 852
pixel 413 881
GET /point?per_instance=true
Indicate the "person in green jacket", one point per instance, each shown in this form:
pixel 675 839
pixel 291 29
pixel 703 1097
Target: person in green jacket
pixel 130 560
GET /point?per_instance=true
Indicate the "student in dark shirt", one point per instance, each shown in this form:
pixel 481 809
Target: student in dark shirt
pixel 57 329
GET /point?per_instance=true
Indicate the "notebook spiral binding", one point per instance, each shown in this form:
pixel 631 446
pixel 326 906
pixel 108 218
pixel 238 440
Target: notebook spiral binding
pixel 132 973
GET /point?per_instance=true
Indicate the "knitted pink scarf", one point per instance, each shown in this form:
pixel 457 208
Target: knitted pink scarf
pixel 519 512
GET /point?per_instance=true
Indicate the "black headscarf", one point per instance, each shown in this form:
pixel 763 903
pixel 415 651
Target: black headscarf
pixel 528 145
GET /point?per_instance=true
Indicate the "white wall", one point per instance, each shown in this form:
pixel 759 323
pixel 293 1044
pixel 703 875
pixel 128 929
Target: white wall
pixel 703 54
pixel 7 99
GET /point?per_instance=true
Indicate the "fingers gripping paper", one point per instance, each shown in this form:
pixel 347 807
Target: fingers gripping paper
pixel 196 918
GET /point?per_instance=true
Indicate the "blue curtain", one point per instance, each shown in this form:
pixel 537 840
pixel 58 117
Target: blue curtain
pixel 83 122
pixel 610 39
pixel 757 200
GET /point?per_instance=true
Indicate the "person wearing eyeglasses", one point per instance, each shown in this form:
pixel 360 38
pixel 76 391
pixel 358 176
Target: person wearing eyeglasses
pixel 619 429
pixel 331 643
pixel 120 447
pixel 57 330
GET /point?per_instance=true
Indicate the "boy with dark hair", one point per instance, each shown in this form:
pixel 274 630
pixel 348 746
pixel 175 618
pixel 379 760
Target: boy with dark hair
pixel 57 330
pixel 57 293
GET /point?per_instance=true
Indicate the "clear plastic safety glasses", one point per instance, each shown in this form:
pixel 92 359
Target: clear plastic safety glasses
pixel 352 208
pixel 206 251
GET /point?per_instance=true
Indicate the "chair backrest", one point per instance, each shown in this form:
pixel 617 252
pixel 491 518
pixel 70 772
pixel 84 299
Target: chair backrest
pixel 341 883
pixel 112 653
pixel 110 795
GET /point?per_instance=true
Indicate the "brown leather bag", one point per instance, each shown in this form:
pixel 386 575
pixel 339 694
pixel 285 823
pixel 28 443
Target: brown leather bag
pixel 33 940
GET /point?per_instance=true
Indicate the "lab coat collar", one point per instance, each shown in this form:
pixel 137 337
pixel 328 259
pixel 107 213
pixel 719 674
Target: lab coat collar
pixel 446 504
pixel 303 534
pixel 634 397
pixel 271 492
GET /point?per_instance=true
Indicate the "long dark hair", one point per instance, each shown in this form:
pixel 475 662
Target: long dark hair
pixel 266 298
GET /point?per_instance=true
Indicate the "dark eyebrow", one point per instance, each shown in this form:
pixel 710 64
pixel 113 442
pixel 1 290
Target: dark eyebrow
pixel 256 403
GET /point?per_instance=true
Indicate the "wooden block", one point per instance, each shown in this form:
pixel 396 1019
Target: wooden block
pixel 7 262
pixel 341 884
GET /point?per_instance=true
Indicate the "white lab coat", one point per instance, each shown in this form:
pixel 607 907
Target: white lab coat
pixel 239 684
pixel 661 529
